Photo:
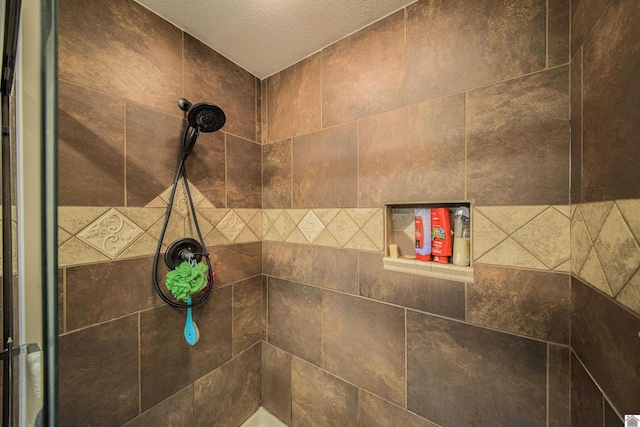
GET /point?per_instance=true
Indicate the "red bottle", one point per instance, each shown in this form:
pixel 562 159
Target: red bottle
pixel 441 241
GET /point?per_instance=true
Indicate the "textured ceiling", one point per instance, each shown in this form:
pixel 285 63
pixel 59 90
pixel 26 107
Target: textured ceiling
pixel 266 36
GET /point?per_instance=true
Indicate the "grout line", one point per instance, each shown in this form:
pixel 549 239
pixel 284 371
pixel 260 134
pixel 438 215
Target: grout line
pixel 466 126
pixel 547 386
pixel 291 204
pixel 124 149
pixel 321 90
pixel 226 172
pixel 415 310
pixel 64 300
pixel 581 121
pixel 358 164
pixel 547 35
pixel 232 313
pixel 406 364
pixel 404 59
pixel 139 367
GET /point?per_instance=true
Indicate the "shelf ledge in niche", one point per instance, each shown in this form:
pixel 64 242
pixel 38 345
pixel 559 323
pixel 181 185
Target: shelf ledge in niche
pixel 428 269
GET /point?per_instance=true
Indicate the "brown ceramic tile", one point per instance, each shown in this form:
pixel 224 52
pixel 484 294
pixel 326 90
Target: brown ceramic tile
pixel 244 173
pixel 276 175
pixel 584 14
pixel 533 303
pixel 559 386
pixel 320 399
pixel 376 412
pixel 206 167
pixel 210 77
pixel 325 168
pixel 121 48
pixel 458 374
pixel 363 342
pixel 611 152
pixel 236 262
pixel 436 296
pixel 276 382
pixel 153 153
pixel 176 410
pixel 99 374
pixel 456 45
pixel 100 292
pixel 326 267
pixel 586 399
pixel 167 362
pixel 611 419
pixel 518 141
pixel 604 335
pixel 576 128
pixel 293 100
pixel 559 19
pixel 247 313
pixel 295 319
pixel 363 74
pixel 90 148
pixel 413 154
pixel 231 393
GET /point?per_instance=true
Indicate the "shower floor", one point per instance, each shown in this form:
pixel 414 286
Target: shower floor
pixel 262 418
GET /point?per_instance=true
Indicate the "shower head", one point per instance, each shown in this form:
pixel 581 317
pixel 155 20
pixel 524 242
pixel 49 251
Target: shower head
pixel 184 104
pixel 206 117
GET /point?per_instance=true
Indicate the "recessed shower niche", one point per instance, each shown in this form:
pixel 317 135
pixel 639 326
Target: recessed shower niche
pixel 400 230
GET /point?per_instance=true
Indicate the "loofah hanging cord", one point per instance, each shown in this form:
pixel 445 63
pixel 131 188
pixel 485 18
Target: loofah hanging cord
pixel 186 280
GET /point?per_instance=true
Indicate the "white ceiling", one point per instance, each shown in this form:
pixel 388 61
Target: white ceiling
pixel 266 36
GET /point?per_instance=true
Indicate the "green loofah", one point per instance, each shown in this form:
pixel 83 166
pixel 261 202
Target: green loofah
pixel 186 280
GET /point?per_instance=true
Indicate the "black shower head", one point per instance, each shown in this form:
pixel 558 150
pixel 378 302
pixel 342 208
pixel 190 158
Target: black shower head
pixel 184 104
pixel 206 117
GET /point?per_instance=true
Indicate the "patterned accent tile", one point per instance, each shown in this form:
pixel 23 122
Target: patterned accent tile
pixel 110 234
pixel 343 228
pixel 297 214
pixel 362 242
pixel 629 296
pixel 594 215
pixel 592 273
pixel 326 239
pixel 511 218
pixel 630 210
pixel 326 215
pixel 580 242
pixel 521 236
pixel 617 250
pixel 181 201
pixel 486 235
pixel 546 237
pixel 63 236
pixel 214 216
pixel 284 225
pixel 510 253
pixel 374 229
pixel 74 252
pixel 255 224
pixel 410 231
pixel 75 218
pixel 231 226
pixel 311 226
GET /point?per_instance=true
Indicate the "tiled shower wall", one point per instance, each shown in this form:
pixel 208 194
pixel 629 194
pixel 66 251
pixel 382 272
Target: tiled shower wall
pixel 605 198
pixel 438 102
pixel 123 357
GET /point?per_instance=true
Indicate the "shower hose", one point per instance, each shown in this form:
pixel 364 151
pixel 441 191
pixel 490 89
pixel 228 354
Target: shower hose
pixel 188 141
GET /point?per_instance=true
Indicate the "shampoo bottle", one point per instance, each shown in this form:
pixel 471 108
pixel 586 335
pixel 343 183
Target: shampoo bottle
pixel 461 237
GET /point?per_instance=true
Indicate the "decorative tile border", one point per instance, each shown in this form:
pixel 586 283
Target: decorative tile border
pixel 605 248
pixel 535 237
